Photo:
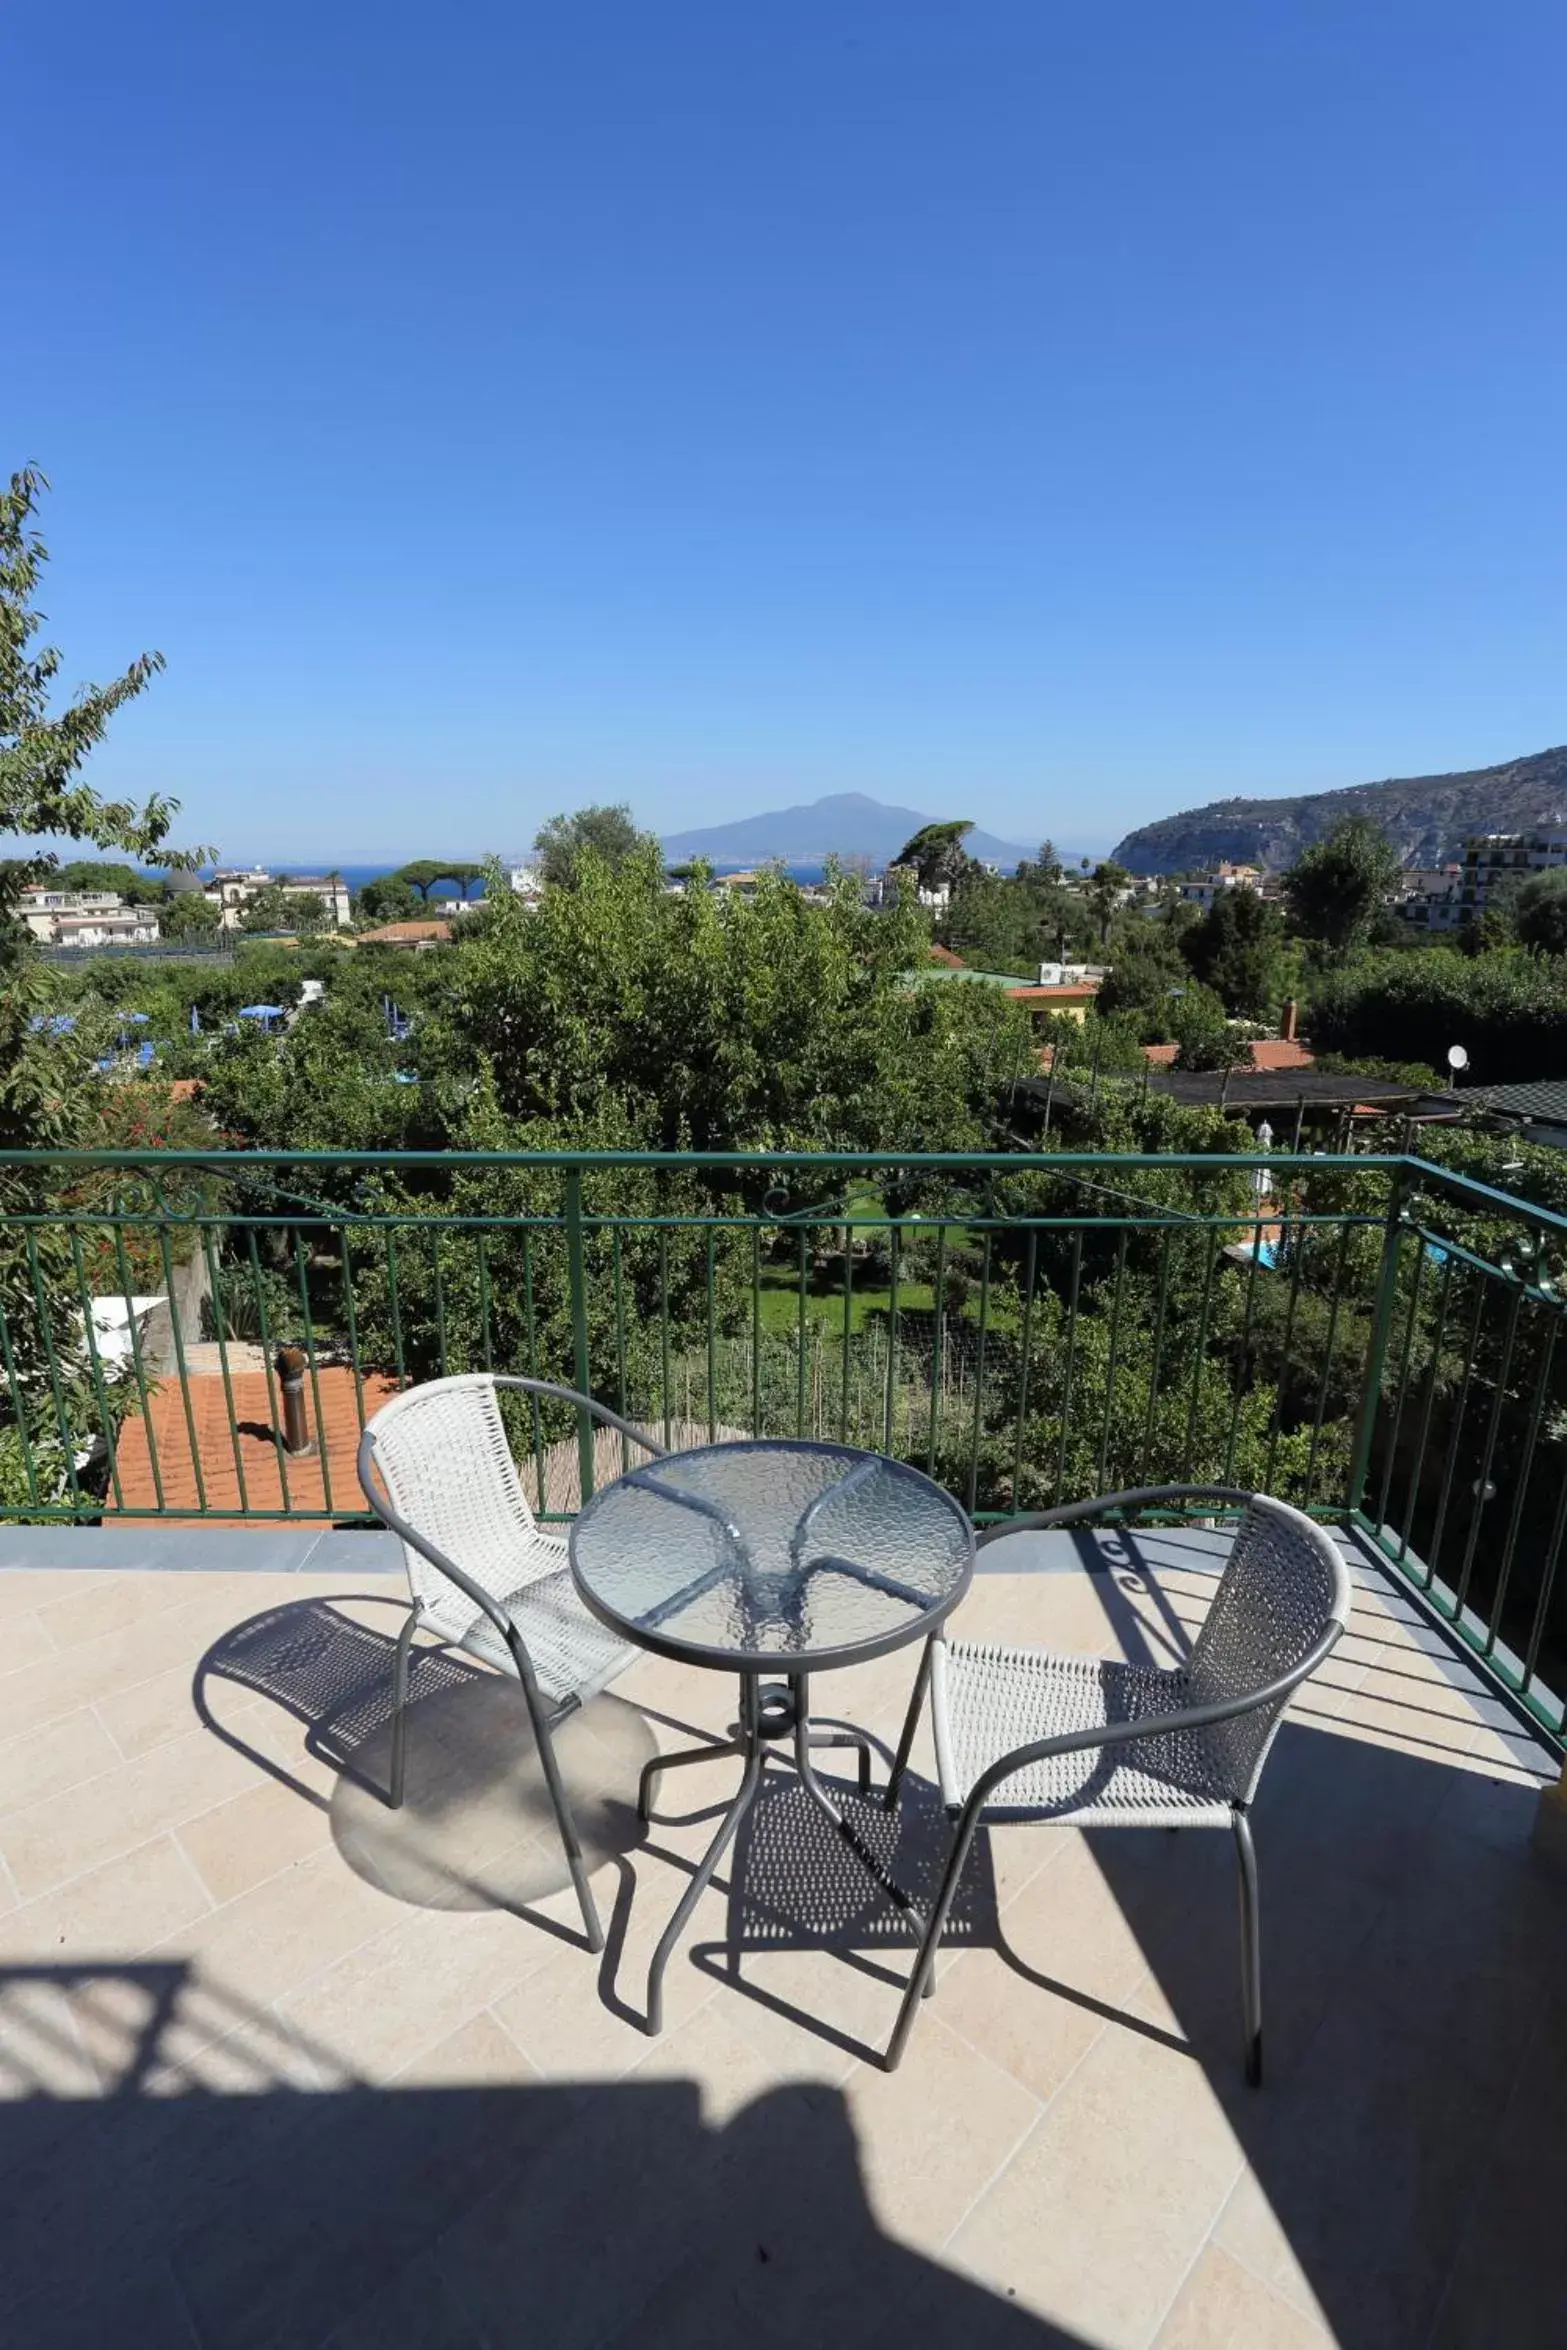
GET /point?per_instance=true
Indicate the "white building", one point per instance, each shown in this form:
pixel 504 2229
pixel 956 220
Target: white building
pixel 232 889
pixel 86 918
pixel 330 888
pixel 1203 890
pixel 1494 857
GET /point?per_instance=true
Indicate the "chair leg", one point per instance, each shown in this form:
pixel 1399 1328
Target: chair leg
pixel 1251 1947
pixel 570 1842
pixel 400 1707
pixel 922 1980
pixel 900 1762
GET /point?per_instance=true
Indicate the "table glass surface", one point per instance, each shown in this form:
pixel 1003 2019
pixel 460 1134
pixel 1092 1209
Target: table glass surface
pixel 773 1554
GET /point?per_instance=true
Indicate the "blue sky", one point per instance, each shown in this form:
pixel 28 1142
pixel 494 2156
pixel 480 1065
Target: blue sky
pixel 1050 415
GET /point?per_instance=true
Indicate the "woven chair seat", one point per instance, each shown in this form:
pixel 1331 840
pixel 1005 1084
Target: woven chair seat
pixel 574 1655
pixel 990 1700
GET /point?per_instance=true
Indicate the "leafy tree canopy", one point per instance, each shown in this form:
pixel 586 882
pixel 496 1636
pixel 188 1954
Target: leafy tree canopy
pixel 1336 892
pixel 1540 912
pixel 610 832
pixel 1238 948
pixel 390 898
pixel 936 855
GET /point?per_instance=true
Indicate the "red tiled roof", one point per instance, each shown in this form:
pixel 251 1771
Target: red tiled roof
pixel 249 1445
pixel 1074 991
pixel 1160 1056
pixel 405 934
pixel 948 960
pixel 1280 1052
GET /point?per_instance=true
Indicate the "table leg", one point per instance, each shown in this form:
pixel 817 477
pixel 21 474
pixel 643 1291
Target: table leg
pixel 751 1746
pixel 677 1762
pixel 801 1687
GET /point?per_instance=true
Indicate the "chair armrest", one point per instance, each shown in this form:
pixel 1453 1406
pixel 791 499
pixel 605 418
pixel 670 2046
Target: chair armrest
pixel 599 1411
pixel 1136 1497
pixel 1191 1717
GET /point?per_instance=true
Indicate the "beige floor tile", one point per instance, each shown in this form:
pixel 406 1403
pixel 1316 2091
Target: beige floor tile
pixel 418 1981
pixel 256 1833
pixel 813 2014
pixel 1222 2306
pixel 27 1640
pixel 1249 2230
pixel 706 2048
pixel 48 1842
pixel 151 1712
pixel 922 2174
pixel 42 2052
pixel 54 1758
pixel 76 1615
pixel 62 1681
pixel 1098 2219
pixel 576 2021
pixel 116 1911
pixel 273 1939
pixel 480 2054
pixel 23 1589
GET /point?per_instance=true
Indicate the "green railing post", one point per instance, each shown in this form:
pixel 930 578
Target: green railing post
pixel 1376 1350
pixel 581 1367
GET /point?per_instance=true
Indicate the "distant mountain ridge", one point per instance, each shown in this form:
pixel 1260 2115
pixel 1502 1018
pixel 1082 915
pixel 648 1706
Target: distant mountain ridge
pixel 1427 817
pixel 844 824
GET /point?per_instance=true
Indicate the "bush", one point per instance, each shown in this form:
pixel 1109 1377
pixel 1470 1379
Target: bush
pixel 1508 1010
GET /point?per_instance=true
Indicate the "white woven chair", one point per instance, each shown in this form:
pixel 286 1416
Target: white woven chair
pixel 1024 1735
pixel 436 1467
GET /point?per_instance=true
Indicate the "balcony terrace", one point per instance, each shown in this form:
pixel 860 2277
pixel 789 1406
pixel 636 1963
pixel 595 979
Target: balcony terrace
pixel 282 2066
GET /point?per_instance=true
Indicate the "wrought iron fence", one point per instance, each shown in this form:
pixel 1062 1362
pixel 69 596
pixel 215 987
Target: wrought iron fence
pixel 1373 1337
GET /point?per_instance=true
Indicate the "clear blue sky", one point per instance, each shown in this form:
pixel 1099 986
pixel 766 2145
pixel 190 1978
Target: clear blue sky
pixel 1053 415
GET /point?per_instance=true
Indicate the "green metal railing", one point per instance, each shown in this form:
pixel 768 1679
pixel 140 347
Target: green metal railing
pixel 1373 1337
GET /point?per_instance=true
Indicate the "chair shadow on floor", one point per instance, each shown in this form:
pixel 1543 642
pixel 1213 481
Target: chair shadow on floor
pixel 476 1829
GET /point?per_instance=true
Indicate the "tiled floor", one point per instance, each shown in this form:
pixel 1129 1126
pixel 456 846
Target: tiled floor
pixel 284 2068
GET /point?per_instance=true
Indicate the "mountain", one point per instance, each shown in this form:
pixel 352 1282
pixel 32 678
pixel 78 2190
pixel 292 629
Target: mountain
pixel 845 824
pixel 1427 817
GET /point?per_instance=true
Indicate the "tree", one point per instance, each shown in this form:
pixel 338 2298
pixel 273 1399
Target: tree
pixel 1237 948
pixel 936 855
pixel 1205 1037
pixel 610 832
pixel 1336 891
pixel 189 915
pixel 1540 912
pixel 279 908
pixel 422 874
pixel 1104 895
pixel 388 899
pixel 144 889
pixel 1047 865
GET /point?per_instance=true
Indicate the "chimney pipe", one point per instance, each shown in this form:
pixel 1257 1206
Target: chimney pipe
pixel 290 1367
pixel 1288 1019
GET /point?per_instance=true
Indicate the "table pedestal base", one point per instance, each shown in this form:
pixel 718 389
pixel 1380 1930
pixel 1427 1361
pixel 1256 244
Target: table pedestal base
pixel 769 1711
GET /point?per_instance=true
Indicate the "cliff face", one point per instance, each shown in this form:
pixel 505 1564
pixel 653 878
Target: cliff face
pixel 1427 817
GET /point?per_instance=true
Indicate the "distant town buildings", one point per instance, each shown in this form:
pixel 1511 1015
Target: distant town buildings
pixel 1494 859
pixel 1202 889
pixel 86 918
pixel 232 888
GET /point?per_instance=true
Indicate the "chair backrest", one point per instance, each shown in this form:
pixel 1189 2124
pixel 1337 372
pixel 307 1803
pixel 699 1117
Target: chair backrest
pixel 442 1454
pixel 1284 1583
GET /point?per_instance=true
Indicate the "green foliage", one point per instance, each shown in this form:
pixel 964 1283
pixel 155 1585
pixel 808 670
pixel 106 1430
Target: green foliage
pixel 1204 1035
pixel 711 1021
pixel 1508 1010
pixel 609 832
pixel 1104 895
pixel 142 889
pixel 1540 912
pixel 1237 948
pixel 391 898
pixel 1014 924
pixel 189 915
pixel 1336 891
pixel 936 855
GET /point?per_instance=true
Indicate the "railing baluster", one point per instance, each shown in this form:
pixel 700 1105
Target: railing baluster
pixel 1526 1466
pixel 138 1367
pixel 220 1325
pixel 1071 1361
pixel 1113 1358
pixel 1433 1382
pixel 268 1369
pixel 1456 1432
pixel 95 1366
pixel 46 1333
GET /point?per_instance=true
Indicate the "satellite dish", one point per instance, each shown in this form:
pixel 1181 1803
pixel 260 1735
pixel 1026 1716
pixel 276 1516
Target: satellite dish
pixel 1457 1058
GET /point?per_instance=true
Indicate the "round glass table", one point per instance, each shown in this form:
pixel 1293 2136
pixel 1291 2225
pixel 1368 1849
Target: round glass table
pixel 769 1559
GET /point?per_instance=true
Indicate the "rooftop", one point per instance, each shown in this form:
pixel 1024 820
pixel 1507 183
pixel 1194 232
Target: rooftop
pixel 285 2067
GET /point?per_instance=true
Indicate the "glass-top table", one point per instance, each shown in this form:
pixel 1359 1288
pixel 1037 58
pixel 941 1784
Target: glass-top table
pixel 761 1558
